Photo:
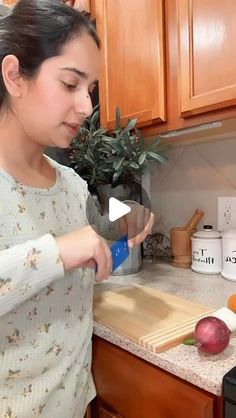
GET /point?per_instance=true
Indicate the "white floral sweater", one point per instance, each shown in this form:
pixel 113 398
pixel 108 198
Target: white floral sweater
pixel 45 314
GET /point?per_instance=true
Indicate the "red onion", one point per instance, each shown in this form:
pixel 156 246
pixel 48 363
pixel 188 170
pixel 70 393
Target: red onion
pixel 212 335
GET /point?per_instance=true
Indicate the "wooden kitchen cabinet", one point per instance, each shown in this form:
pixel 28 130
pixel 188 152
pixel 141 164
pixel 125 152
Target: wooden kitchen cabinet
pixel 170 63
pixel 102 412
pixel 198 73
pixel 132 56
pixel 133 388
pixel 207 41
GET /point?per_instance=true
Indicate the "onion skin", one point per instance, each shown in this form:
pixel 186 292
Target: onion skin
pixel 212 335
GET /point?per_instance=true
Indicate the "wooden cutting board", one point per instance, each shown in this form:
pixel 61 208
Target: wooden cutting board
pixel 153 319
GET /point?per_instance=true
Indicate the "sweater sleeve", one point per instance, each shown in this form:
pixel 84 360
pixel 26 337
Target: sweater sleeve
pixel 27 268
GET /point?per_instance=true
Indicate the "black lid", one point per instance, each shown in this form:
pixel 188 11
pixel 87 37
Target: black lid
pixel 229 385
pixel 207 227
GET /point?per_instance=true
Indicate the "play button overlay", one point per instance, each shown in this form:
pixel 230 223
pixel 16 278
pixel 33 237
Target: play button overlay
pixel 117 209
pixel 113 204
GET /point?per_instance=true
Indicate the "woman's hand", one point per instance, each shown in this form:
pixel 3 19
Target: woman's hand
pixel 76 4
pixel 73 3
pixel 69 2
pixel 137 223
pixel 85 248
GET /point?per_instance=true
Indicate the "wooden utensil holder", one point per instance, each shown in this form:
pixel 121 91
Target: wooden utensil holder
pixel 181 247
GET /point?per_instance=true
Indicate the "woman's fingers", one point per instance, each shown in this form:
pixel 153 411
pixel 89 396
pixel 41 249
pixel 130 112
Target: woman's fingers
pixel 139 224
pixel 104 263
pixel 69 2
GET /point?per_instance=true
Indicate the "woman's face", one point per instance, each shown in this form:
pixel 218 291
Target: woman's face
pixel 55 103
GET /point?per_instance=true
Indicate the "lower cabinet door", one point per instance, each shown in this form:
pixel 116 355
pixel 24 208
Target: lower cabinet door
pixel 134 388
pixel 102 412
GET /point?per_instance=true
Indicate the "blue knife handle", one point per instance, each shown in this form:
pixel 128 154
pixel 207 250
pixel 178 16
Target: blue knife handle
pixel 119 251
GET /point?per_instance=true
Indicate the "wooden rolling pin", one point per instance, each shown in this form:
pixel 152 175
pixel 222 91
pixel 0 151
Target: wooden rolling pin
pixel 193 221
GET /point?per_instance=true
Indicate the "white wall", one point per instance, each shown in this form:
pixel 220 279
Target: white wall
pixel 193 178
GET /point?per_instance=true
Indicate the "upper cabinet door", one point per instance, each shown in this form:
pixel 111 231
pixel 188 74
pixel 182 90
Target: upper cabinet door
pixel 207 43
pixel 132 57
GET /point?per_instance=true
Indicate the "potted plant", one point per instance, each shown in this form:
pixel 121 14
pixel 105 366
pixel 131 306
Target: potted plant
pixel 113 160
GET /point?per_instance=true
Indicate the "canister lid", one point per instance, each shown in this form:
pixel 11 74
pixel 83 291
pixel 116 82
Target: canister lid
pixel 207 233
pixel 229 233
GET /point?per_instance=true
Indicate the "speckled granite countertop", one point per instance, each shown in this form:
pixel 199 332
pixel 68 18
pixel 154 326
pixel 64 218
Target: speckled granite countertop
pixel 202 370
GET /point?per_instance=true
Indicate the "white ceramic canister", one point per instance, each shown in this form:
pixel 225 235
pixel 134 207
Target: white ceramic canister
pixel 229 254
pixel 207 251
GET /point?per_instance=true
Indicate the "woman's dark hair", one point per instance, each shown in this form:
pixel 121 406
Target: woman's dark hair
pixel 35 30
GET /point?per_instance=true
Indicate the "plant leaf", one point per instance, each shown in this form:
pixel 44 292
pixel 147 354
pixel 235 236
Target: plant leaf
pixel 157 157
pixel 189 341
pixel 130 125
pixel 117 164
pixel 117 117
pixel 142 158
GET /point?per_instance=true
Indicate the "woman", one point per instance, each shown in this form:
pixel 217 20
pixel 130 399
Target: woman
pixel 49 57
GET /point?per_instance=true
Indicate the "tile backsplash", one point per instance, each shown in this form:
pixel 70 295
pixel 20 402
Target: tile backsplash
pixel 193 178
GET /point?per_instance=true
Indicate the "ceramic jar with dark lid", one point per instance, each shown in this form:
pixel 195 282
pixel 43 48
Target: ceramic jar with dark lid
pixel 207 251
pixel 229 254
